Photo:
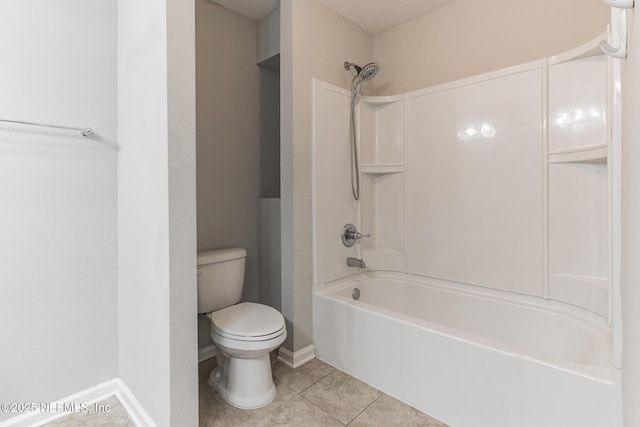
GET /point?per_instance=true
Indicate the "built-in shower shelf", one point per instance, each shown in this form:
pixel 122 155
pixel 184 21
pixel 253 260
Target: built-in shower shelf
pixel 590 154
pixel 382 168
pixel 381 100
pixel 589 49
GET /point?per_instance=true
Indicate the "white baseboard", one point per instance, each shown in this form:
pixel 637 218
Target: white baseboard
pixel 293 359
pixel 206 353
pixel 138 415
pixel 87 397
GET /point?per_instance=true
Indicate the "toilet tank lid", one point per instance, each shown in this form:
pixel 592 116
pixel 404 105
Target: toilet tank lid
pixel 220 255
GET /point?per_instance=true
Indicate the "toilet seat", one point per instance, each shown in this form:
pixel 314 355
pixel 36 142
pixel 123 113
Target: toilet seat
pixel 248 322
pixel 248 338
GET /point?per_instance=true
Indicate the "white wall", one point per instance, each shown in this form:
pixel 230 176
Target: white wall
pixel 181 97
pixel 58 290
pixel 469 37
pixel 630 274
pixel 156 208
pixel 475 204
pixel 315 42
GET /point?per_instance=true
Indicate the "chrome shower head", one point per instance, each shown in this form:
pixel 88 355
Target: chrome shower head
pixel 365 73
pixel 368 72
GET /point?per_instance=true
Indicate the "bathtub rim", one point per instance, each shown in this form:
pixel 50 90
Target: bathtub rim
pixel 603 373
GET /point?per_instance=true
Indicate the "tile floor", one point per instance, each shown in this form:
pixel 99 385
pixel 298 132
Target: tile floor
pixel 314 394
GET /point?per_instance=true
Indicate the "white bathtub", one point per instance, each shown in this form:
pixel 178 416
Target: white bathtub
pixel 468 356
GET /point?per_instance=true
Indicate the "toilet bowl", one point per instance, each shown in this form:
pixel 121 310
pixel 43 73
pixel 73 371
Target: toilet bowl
pixel 243 333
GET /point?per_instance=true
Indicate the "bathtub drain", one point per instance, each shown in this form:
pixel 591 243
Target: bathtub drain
pixel 356 293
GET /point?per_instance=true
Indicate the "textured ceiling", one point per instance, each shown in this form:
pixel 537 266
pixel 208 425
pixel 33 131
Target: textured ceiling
pixel 378 15
pixel 372 15
pixel 252 9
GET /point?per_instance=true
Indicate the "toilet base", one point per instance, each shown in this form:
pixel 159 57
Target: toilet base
pixel 244 383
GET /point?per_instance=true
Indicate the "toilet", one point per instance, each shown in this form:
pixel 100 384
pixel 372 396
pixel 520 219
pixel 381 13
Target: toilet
pixel 243 333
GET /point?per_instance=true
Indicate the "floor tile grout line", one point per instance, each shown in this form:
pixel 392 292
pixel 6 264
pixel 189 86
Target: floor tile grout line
pixel 310 402
pixel 331 373
pixel 316 382
pixel 368 406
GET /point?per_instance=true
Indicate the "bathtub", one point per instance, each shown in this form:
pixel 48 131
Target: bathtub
pixel 470 356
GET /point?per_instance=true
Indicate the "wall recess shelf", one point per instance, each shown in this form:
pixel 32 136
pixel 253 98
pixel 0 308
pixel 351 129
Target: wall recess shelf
pixel 381 100
pixel 382 168
pixel 591 154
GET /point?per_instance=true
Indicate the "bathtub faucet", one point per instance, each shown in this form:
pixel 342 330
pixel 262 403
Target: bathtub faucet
pixel 356 262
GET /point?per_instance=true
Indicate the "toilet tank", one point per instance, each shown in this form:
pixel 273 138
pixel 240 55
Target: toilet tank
pixel 220 278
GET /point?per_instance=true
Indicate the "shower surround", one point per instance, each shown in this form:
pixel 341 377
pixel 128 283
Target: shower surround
pixel 492 262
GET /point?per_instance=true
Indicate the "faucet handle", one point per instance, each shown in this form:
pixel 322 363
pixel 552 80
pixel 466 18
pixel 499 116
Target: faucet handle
pixel 358 235
pixel 350 235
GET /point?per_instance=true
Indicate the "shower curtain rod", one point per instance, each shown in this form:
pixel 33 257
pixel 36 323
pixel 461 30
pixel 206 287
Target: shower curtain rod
pixel 86 132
